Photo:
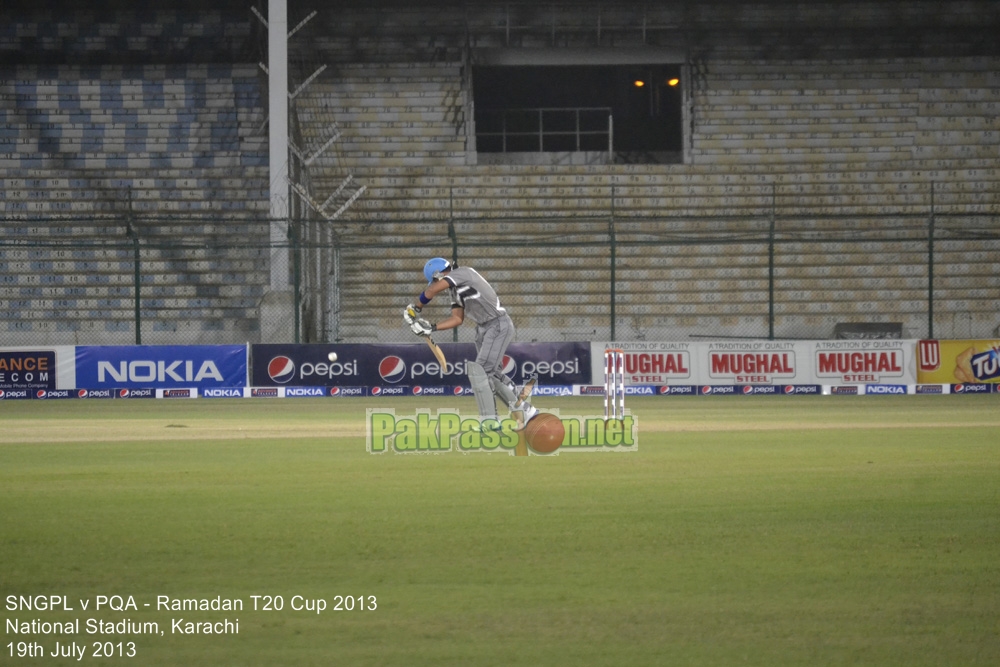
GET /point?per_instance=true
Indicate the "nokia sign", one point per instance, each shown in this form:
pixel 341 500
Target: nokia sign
pixel 162 366
pixel 885 389
pixel 151 372
pixel 222 392
pixel 304 392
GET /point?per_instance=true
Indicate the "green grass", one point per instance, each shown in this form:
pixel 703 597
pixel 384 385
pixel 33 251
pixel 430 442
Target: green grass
pixel 745 530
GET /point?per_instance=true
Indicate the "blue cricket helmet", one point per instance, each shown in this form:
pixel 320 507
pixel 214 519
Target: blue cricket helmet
pixel 436 265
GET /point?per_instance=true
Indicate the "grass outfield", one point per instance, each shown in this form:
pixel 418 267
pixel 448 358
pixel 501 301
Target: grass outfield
pixel 744 530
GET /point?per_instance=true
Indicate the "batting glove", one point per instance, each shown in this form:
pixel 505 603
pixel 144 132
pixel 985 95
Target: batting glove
pixel 421 327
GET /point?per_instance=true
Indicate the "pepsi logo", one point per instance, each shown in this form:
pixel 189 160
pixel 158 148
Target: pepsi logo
pixel 392 369
pixel 509 365
pixel 136 393
pixel 82 393
pixel 706 389
pixel 418 390
pixel 789 389
pixel 458 391
pixel 971 389
pixel 41 393
pixel 347 391
pixel 281 369
pixel 748 389
pixel 13 393
pixel 664 389
pixel 389 391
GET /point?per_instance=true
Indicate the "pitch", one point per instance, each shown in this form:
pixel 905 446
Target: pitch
pixel 744 530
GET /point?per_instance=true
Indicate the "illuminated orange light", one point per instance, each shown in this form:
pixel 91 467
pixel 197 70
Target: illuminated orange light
pixel 639 83
pixel 673 82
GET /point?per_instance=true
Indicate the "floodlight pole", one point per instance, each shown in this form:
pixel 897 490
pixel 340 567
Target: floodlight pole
pixel 277 89
pixel 613 247
pixel 132 234
pixel 930 268
pixel 611 139
pixel 770 265
pixel 453 235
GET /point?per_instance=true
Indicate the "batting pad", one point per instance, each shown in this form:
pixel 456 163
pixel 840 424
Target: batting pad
pixel 481 388
pixel 504 391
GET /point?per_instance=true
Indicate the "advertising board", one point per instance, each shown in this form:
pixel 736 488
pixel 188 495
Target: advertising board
pixel 29 369
pixel 402 368
pixel 961 362
pixel 161 366
pixel 762 363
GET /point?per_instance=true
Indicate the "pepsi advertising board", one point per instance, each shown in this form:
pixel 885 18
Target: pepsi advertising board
pixel 393 367
pixel 161 366
pixel 290 365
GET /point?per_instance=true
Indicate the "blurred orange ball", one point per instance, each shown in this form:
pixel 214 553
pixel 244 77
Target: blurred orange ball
pixel 544 433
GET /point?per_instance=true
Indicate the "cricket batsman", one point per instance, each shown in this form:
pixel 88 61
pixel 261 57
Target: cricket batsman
pixel 472 295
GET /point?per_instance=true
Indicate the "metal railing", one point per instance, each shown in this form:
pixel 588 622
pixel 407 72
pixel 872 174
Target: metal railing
pixel 545 130
pixel 769 277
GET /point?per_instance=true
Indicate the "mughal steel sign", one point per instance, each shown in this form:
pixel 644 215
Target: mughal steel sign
pixel 748 363
pixel 767 362
pixel 860 365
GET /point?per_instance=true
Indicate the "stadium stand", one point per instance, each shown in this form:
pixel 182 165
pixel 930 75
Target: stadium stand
pixel 91 147
pixel 830 130
pixel 854 142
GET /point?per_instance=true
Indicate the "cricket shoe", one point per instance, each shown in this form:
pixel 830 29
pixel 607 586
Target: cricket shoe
pixel 524 414
pixel 489 425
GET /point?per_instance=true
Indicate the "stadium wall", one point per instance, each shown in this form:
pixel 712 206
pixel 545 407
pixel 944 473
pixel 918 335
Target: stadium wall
pixel 563 369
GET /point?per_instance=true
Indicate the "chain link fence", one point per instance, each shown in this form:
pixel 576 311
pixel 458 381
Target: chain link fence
pixel 213 281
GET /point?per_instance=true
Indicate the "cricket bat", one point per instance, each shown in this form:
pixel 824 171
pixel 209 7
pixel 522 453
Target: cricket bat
pixel 438 354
